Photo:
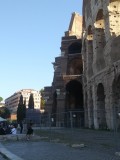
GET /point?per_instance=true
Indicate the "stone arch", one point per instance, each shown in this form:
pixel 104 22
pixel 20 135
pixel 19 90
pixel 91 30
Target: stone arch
pixel 90 51
pixel 74 48
pixel 75 66
pixel 75 92
pixel 100 40
pixel 101 112
pixel 74 101
pixel 116 101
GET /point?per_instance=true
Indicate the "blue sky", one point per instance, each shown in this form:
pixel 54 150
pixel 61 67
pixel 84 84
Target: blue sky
pixel 30 39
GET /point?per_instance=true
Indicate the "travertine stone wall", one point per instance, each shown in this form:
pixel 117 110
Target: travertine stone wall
pixel 101 59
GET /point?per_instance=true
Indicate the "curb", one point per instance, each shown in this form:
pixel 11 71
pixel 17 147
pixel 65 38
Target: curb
pixel 8 154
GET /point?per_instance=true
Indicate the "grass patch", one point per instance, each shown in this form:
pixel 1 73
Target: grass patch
pixel 108 146
pixel 56 136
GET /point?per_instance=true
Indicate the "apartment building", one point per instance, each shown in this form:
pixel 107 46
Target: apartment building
pixel 12 102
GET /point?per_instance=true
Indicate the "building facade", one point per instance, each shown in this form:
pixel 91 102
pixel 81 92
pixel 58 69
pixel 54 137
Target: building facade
pixel 101 59
pixel 12 102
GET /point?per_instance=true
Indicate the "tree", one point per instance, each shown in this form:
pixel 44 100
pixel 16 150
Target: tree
pixel 41 91
pixel 42 99
pixel 31 102
pixel 24 109
pixel 1 99
pixel 4 112
pixel 21 111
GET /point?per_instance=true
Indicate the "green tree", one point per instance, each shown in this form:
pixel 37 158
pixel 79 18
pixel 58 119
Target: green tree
pixel 21 110
pixel 42 99
pixel 31 102
pixel 24 109
pixel 1 99
pixel 4 112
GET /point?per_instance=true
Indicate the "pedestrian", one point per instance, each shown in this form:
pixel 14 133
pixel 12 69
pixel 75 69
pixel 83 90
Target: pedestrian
pixel 29 130
pixel 2 130
pixel 21 127
pixel 13 130
pixel 8 129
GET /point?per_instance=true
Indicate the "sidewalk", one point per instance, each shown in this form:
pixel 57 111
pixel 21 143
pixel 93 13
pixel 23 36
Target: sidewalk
pixel 9 155
pixel 98 146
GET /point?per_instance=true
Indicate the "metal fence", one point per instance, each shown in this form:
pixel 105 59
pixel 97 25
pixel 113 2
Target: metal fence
pixel 107 120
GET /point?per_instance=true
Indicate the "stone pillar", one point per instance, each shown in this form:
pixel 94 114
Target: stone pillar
pixel 60 110
pixel 96 125
pixel 86 108
pixel 90 109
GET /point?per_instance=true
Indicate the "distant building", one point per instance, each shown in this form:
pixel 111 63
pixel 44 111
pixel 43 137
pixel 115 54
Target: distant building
pixel 12 102
pixel 2 104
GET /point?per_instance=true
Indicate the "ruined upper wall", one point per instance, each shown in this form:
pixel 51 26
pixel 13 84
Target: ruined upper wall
pixel 75 26
pixel 86 9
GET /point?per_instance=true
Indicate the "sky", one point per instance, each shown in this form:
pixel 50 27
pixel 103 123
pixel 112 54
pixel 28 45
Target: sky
pixel 30 39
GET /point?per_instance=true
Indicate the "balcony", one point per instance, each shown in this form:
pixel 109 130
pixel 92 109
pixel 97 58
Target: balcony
pixel 72 77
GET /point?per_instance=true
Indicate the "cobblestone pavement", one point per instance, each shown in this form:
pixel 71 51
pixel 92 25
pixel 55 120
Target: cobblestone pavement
pixel 99 146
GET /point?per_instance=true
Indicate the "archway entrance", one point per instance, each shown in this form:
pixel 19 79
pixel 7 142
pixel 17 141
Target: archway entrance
pixel 74 103
pixel 116 102
pixel 101 112
pixel 75 48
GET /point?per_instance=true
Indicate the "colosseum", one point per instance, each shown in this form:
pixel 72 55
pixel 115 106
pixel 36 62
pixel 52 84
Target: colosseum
pixel 87 73
pixel 101 59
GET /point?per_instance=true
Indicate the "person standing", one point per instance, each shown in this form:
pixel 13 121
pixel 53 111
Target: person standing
pixel 13 130
pixel 21 127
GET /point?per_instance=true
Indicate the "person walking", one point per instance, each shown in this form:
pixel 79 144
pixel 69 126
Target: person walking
pixel 29 130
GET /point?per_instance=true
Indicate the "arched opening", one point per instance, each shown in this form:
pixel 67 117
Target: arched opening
pixel 101 112
pixel 74 103
pixel 75 48
pixel 75 66
pixel 116 102
pixel 100 40
pixel 90 51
